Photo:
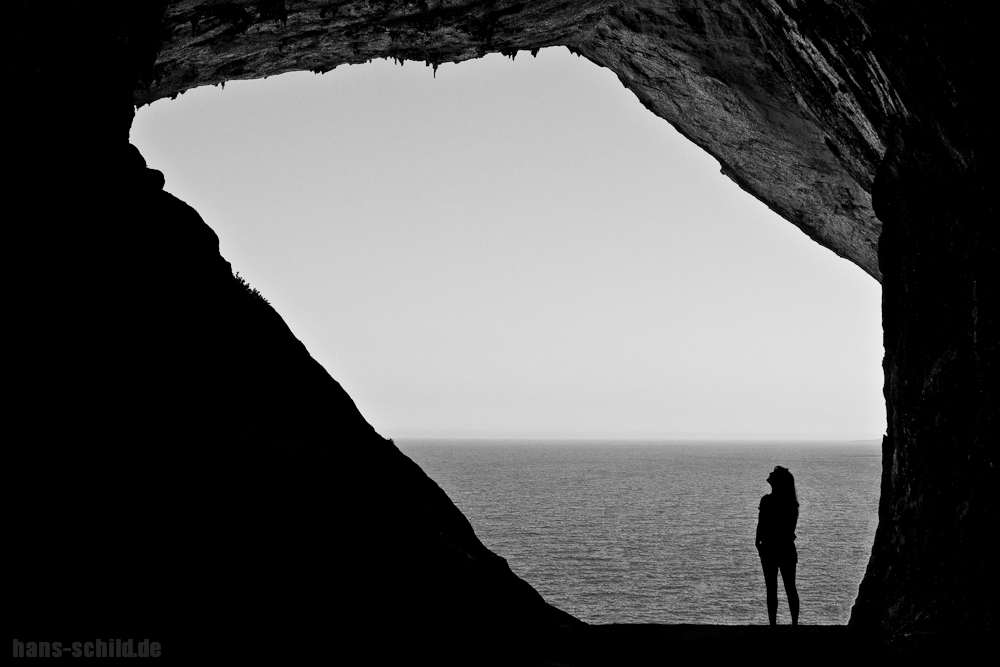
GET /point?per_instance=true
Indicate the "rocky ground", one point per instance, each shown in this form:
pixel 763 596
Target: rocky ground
pixel 817 644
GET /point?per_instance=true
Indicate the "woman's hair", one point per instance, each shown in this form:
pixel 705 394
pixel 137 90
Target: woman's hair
pixel 783 486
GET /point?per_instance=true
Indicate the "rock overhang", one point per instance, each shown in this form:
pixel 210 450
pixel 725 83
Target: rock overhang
pixel 789 100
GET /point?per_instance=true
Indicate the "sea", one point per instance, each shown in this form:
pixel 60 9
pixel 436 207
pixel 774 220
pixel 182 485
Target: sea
pixel 663 532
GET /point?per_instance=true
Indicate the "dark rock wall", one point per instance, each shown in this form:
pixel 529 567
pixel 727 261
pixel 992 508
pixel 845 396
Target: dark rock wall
pixel 180 461
pixel 179 467
pixel 931 568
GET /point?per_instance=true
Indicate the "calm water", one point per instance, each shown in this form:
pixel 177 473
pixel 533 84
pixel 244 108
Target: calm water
pixel 662 532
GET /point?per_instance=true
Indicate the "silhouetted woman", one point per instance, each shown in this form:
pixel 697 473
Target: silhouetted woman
pixel 779 511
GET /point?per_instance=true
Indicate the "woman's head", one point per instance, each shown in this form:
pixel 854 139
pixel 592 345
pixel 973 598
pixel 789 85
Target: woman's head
pixel 781 481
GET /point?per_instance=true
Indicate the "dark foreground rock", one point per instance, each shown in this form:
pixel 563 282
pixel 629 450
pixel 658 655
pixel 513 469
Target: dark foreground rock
pixel 652 644
pixel 207 481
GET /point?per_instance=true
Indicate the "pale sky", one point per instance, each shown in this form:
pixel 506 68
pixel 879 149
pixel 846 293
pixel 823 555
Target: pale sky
pixel 521 249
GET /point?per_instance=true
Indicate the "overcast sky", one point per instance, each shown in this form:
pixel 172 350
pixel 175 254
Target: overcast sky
pixel 521 249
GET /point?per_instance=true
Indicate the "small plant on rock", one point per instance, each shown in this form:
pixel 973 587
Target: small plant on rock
pixel 251 290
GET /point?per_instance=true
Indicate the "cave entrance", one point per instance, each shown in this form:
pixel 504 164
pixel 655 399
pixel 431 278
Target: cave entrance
pixel 521 250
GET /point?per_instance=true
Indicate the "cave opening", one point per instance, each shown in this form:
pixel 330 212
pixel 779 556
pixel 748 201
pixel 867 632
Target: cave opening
pixel 505 251
pixel 863 124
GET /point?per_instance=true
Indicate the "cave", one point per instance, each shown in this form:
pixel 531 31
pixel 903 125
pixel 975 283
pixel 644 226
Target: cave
pixel 150 492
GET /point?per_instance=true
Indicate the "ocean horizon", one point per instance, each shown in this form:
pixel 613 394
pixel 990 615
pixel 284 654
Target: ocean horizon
pixel 662 531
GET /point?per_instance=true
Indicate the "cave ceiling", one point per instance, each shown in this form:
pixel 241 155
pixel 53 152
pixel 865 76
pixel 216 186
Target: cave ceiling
pixel 790 97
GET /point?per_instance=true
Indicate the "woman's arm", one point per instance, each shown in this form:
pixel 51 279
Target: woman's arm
pixel 760 519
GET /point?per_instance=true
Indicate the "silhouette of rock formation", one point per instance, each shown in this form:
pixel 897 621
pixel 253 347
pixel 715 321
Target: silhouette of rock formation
pixel 180 462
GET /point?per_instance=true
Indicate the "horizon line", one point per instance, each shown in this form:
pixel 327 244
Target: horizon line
pixel 599 438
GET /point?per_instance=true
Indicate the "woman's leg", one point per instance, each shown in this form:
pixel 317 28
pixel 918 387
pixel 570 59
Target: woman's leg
pixel 770 568
pixel 788 577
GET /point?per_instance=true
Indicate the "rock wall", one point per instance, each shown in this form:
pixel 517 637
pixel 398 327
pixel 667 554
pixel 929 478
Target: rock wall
pixel 181 462
pixel 180 468
pixel 930 570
